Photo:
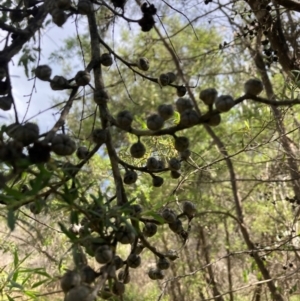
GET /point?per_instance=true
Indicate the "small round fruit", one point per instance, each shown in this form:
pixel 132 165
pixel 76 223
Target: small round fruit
pixel 149 229
pixel 80 293
pixel 174 164
pixel 88 275
pixel 59 17
pixel 143 64
pixel 43 72
pixel 104 254
pixel 63 145
pixel 118 288
pixel 189 208
pixel 185 154
pixel 181 91
pixel 224 103
pixel 125 235
pixel 82 78
pixel 135 210
pixel 156 274
pixel 175 174
pixel 100 97
pixel 124 119
pixel 106 59
pixel 69 280
pixel 157 181
pixel 169 215
pixel 16 16
pixel 155 122
pixel 82 152
pixel 183 104
pixel 165 111
pixel 161 165
pixel 130 177
pixel 208 96
pixel 99 136
pixel 118 262
pixel 6 103
pixel 134 260
pixel 253 86
pixel 181 143
pixel 138 249
pixel 214 120
pixel 137 150
pixel 37 206
pixel 176 226
pixel 163 263
pixel 152 164
pixel 172 77
pixel 189 118
pixel 163 79
pixel 26 134
pixel 59 83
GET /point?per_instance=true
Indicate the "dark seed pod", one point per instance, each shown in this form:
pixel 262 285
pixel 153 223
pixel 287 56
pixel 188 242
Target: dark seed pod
pixel 43 72
pixel 84 7
pixel 253 86
pixel 26 134
pixel 172 77
pixel 181 91
pixel 124 276
pixel 110 271
pixel 69 280
pixel 175 174
pixel 82 152
pixel 161 165
pixel 88 275
pixel 135 210
pixel 214 120
pixel 152 164
pixel 174 164
pixel 189 118
pixel 156 274
pixel 106 59
pixel 124 119
pixel 149 229
pixel 163 263
pixel 181 143
pixel 39 152
pixel 80 293
pixel 6 103
pixel 104 254
pixel 101 97
pixel 59 83
pixel 172 255
pixel 63 4
pixel 163 79
pixel 99 136
pixel 189 208
pixel 59 17
pixel 157 181
pixel 125 235
pixel 143 64
pixel 183 104
pixel 137 150
pixel 166 111
pixel 169 215
pixel 176 226
pixel 185 154
pixel 37 206
pixel 208 96
pixel 134 260
pixel 118 288
pixel 118 262
pixel 63 145
pixel 155 122
pixel 224 103
pixel 82 78
pixel 130 177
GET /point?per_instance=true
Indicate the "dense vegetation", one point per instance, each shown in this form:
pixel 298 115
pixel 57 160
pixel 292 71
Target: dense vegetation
pixel 170 171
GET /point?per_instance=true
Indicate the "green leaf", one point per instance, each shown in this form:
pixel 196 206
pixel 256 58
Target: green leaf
pixel 16 258
pixel 67 232
pixel 155 215
pixel 11 221
pixel 39 283
pixel 9 298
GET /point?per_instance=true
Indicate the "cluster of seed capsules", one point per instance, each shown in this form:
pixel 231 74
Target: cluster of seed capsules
pixel 114 270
